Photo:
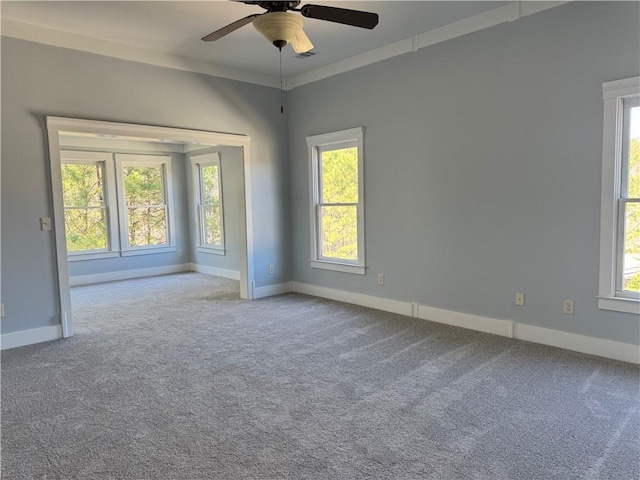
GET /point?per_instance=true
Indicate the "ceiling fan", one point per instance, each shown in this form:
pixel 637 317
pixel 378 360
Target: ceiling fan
pixel 281 27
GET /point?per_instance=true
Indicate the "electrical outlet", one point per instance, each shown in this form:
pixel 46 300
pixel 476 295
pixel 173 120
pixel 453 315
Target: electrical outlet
pixel 380 279
pixel 180 252
pixel 520 299
pixel 272 269
pixel 567 307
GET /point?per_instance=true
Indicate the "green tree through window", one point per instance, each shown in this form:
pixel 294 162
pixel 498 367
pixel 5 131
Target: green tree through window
pixel 85 211
pixel 145 205
pixel 631 273
pixel 211 212
pixel 339 203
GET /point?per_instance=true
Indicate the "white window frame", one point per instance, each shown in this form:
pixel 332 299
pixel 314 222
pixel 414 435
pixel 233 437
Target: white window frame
pixel 197 162
pixel 614 95
pixel 353 137
pixel 106 159
pixel 135 160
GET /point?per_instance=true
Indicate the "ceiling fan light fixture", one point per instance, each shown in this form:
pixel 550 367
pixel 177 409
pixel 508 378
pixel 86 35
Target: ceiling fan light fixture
pixel 301 43
pixel 279 28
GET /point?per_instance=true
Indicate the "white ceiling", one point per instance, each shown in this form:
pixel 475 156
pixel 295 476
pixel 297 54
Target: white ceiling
pixel 175 27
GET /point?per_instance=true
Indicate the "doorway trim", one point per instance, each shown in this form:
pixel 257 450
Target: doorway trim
pixel 57 125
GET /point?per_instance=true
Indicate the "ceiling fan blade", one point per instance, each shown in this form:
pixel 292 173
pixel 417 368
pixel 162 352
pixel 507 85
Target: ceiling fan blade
pixel 301 43
pixel 345 16
pixel 232 27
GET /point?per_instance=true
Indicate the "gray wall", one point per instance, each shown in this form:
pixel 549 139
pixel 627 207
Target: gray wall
pixel 39 80
pixel 482 167
pixel 232 192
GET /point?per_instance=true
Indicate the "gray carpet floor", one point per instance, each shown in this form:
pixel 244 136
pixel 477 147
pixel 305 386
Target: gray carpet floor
pixel 175 377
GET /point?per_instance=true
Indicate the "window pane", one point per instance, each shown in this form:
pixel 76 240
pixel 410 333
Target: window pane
pixel 86 229
pixel 82 185
pixel 339 232
pixel 210 185
pixel 147 226
pixel 143 185
pixel 631 270
pixel 634 153
pixel 212 225
pixel 339 173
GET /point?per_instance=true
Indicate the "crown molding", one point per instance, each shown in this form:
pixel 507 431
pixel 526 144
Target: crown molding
pixel 57 38
pixel 507 13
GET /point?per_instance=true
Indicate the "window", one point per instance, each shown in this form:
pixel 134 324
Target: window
pixel 99 223
pixel 144 198
pixel 207 180
pixel 620 217
pixel 629 202
pixel 87 191
pixel 337 201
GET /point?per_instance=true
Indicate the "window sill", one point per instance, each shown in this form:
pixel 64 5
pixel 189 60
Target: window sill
pixel 78 257
pixel 339 267
pixel 617 304
pixel 147 251
pixel 211 250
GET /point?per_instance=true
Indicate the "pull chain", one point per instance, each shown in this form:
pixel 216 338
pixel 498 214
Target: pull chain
pixel 281 84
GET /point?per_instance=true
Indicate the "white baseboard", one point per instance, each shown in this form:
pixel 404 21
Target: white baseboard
pixel 378 303
pixel 28 337
pixel 504 328
pixel 271 290
pixel 216 272
pixel 127 274
pixel 625 352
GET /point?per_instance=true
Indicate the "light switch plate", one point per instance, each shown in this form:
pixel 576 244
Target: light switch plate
pixel 45 223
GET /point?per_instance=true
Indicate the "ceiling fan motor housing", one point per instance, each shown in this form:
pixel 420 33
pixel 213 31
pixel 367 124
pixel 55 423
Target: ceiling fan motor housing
pixel 278 27
pixel 275 6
